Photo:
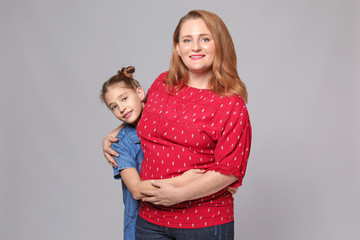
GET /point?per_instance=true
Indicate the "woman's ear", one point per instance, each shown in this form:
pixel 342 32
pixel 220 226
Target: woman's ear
pixel 177 49
pixel 141 93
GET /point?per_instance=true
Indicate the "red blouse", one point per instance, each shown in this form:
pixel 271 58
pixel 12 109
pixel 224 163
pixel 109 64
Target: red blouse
pixel 193 128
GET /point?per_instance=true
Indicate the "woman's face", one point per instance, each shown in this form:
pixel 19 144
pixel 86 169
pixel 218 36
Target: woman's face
pixel 196 46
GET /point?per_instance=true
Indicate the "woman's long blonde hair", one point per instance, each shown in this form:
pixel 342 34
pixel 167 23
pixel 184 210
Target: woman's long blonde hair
pixel 225 80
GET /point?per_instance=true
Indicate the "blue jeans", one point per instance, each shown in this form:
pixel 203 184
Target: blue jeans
pixel 149 231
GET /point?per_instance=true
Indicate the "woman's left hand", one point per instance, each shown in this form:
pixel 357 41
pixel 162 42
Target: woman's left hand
pixel 165 194
pixel 232 190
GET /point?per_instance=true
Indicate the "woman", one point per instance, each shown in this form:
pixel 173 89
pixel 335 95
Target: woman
pixel 195 117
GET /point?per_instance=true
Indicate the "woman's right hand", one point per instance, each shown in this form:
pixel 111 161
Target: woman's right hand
pixel 232 190
pixel 107 150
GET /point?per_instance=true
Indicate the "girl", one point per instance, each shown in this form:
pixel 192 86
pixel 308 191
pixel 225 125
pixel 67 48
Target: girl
pixel 125 98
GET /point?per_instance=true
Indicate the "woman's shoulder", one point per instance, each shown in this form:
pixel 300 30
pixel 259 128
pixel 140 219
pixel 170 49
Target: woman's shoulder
pixel 230 100
pixel 163 75
pixel 158 86
pixel 159 81
pixel 161 78
pixel 228 105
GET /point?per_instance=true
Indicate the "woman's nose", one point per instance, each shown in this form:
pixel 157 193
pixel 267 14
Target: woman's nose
pixel 196 46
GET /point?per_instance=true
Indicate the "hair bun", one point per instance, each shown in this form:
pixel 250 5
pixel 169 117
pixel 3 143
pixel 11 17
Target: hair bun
pixel 127 72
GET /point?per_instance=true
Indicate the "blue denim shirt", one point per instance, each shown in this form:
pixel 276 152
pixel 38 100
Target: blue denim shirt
pixel 130 156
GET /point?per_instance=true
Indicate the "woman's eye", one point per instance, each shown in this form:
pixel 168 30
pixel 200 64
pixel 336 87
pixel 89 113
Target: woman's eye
pixel 205 39
pixel 186 40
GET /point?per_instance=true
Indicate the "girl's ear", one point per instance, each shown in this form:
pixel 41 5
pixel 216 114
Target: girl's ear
pixel 141 93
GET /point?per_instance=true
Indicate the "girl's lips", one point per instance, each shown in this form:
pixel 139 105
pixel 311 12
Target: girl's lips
pixel 128 115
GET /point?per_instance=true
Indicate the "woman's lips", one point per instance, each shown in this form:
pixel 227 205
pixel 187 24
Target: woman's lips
pixel 196 57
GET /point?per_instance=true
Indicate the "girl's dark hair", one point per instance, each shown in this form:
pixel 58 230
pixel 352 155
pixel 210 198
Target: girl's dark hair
pixel 125 76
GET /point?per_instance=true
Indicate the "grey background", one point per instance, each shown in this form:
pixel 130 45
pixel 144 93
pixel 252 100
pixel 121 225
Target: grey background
pixel 299 60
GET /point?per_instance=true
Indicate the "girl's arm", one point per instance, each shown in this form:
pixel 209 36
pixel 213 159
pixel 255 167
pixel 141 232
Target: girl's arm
pixel 132 180
pixel 204 185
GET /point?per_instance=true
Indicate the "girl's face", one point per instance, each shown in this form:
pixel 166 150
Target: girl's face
pixel 125 103
pixel 196 46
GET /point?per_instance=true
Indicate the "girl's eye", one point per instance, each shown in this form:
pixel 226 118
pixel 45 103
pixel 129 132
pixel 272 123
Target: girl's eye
pixel 113 108
pixel 124 99
pixel 186 40
pixel 205 39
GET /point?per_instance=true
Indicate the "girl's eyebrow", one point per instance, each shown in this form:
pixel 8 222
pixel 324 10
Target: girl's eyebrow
pixel 116 98
pixel 109 106
pixel 121 95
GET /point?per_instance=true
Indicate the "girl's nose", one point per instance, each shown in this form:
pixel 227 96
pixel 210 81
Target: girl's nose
pixel 122 108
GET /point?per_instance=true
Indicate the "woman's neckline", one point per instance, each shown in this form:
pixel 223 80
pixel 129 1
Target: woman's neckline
pixel 198 89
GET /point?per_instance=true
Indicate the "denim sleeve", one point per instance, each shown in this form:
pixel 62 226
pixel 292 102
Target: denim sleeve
pixel 125 159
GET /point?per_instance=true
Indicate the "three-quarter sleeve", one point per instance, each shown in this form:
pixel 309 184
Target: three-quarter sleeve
pixel 233 145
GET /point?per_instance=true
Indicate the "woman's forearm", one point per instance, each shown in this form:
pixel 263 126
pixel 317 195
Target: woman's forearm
pixel 146 185
pixel 205 185
pixel 132 180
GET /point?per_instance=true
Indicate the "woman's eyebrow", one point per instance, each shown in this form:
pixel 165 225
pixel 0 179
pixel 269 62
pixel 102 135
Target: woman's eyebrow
pixel 201 35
